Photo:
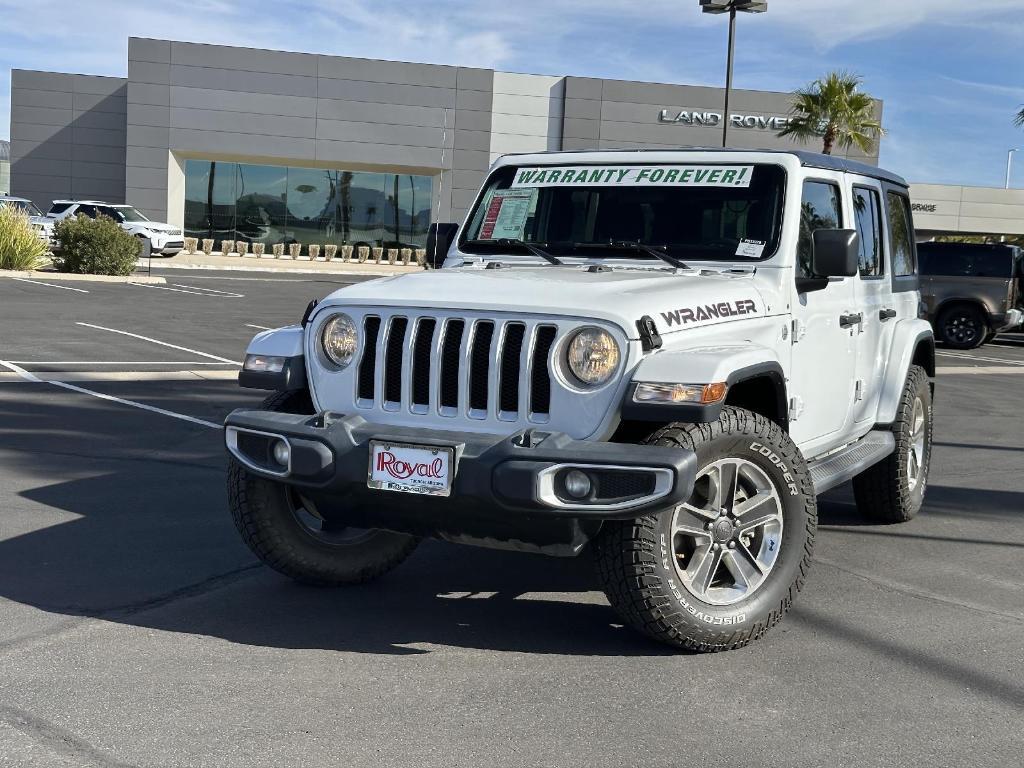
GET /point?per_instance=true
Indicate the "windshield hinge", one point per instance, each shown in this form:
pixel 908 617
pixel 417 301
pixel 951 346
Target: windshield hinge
pixel 309 311
pixel 650 339
pixel 799 329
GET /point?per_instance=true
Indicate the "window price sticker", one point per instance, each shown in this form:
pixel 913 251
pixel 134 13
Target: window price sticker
pixel 751 249
pixel 506 214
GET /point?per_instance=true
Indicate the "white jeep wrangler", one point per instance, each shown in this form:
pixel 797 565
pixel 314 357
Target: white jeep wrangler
pixel 661 357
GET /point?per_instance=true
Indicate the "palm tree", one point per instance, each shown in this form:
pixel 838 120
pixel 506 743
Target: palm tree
pixel 1018 119
pixel 834 110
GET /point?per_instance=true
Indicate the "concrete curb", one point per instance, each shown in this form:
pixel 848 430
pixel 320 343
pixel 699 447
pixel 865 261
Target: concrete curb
pixel 73 277
pixel 282 266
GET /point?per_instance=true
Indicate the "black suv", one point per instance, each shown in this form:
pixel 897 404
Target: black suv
pixel 972 291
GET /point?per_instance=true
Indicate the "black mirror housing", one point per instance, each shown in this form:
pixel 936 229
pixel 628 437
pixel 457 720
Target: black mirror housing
pixel 439 239
pixel 835 252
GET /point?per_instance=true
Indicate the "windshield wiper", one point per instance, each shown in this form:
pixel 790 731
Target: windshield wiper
pixel 508 242
pixel 638 247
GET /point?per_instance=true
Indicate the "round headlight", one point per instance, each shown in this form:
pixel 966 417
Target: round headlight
pixel 339 340
pixel 592 356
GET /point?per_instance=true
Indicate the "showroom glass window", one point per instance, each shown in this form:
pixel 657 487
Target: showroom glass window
pixel 867 212
pixel 279 204
pixel 820 208
pixel 902 235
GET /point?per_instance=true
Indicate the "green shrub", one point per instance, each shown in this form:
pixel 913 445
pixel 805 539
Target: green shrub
pixel 95 246
pixel 20 246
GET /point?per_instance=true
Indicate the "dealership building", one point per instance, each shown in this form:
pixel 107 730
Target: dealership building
pixel 271 146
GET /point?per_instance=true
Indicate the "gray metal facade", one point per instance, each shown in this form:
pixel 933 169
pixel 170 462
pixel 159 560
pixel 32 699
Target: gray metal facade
pixel 128 139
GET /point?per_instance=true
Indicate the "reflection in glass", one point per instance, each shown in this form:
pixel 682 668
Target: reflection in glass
pixel 260 208
pixel 275 204
pixel 209 199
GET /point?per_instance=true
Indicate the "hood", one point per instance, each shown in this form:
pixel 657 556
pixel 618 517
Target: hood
pixel 676 300
pixel 43 221
pixel 155 226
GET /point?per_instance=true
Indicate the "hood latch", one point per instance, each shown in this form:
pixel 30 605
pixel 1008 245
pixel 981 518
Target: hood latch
pixel 650 339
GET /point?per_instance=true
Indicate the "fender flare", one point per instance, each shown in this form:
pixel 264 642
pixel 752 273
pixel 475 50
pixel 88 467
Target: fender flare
pixel 286 343
pixel 731 363
pixel 907 341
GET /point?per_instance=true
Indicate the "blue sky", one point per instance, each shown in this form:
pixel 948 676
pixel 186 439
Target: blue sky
pixel 949 71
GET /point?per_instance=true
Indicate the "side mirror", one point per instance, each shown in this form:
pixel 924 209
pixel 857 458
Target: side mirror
pixel 835 252
pixel 439 239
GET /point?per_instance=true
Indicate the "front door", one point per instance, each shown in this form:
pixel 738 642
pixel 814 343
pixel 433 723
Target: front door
pixel 821 386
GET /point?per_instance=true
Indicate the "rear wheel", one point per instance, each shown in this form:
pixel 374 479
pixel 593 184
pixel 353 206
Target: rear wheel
pixel 721 569
pixel 892 491
pixel 287 531
pixel 962 326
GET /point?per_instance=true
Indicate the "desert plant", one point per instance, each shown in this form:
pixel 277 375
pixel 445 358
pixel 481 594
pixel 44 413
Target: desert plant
pixel 364 253
pixel 242 247
pixel 226 247
pixel 329 251
pixel 207 246
pixel 95 246
pixel 20 246
pixel 421 256
pixel 832 109
pixel 294 249
pixel 314 252
pixel 346 252
pixel 378 255
pixel 258 249
pixel 405 256
pixel 190 245
pixel 278 250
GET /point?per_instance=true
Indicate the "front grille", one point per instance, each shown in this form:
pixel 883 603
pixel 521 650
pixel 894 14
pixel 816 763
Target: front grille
pixel 455 366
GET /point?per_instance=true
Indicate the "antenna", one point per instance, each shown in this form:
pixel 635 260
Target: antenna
pixel 440 180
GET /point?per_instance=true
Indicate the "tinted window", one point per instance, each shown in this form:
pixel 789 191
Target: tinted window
pixel 86 210
pixel 867 211
pixel 58 208
pixel 992 262
pixel 819 209
pixel 901 234
pixel 106 210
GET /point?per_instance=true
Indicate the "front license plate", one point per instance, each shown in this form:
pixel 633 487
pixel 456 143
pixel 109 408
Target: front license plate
pixel 410 468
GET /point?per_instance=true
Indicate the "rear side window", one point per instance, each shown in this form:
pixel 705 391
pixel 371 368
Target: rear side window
pixel 993 262
pixel 820 208
pixel 58 208
pixel 86 210
pixel 901 234
pixel 867 210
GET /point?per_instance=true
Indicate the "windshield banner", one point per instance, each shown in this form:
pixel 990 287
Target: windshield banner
pixel 635 175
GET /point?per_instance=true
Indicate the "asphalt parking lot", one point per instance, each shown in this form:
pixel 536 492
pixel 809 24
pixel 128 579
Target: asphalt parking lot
pixel 137 630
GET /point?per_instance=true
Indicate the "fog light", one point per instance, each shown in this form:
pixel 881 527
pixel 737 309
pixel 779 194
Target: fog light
pixel 282 453
pixel 577 484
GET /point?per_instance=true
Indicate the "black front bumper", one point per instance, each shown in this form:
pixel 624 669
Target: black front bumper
pixel 497 496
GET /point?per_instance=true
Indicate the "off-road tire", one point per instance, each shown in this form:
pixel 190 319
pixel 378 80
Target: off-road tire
pixel 263 516
pixel 643 586
pixel 972 322
pixel 883 492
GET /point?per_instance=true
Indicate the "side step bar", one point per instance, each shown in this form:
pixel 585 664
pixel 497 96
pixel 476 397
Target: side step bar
pixel 836 468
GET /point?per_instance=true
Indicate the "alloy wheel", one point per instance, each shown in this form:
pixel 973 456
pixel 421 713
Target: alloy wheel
pixel 916 449
pixel 726 537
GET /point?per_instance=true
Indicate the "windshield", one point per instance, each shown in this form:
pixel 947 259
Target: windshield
pixel 707 211
pixel 23 205
pixel 129 213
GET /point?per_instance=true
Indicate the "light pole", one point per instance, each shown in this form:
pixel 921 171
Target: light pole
pixel 731 7
pixel 1009 165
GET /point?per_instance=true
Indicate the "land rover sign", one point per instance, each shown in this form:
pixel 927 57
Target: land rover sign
pixel 697 117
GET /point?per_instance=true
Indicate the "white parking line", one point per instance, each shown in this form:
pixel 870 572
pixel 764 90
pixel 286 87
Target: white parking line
pixel 49 285
pixel 210 290
pixel 979 369
pixel 161 343
pixel 197 292
pixel 257 327
pixel 108 362
pixel 981 358
pixel 103 396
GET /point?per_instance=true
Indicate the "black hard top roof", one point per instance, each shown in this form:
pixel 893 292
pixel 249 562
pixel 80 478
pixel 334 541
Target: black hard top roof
pixel 807 159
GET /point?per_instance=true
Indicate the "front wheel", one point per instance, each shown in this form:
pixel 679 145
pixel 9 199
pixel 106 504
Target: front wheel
pixel 718 571
pixel 290 534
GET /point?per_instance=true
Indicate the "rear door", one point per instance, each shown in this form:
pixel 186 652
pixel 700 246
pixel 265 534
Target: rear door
pixel 874 299
pixel 824 348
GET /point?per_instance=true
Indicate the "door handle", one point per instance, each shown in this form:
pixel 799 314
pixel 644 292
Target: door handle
pixel 886 314
pixel 845 321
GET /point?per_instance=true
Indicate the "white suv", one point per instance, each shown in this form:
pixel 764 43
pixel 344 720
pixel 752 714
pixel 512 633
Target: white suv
pixel 662 356
pixel 163 239
pixel 43 225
